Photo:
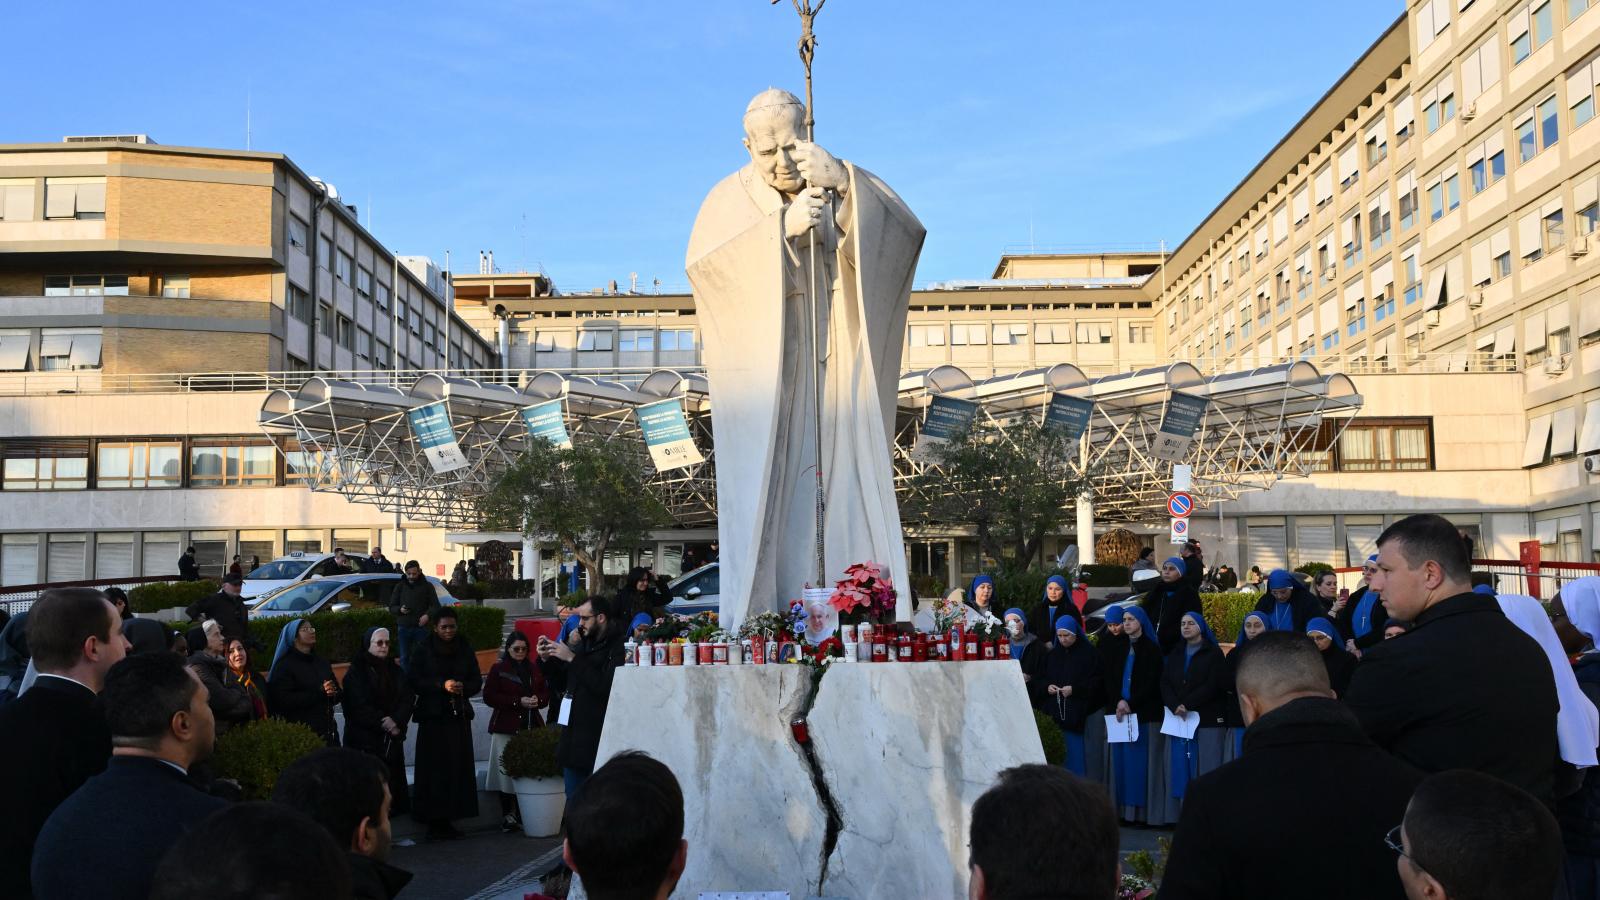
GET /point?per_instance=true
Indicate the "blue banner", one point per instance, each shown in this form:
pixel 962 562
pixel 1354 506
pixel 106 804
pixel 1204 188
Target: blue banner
pixel 547 421
pixel 1069 414
pixel 946 417
pixel 666 434
pixel 431 427
pixel 1178 426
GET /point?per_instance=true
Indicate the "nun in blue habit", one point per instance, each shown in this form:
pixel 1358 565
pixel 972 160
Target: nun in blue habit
pixel 1070 688
pixel 1363 618
pixel 1138 778
pixel 1254 625
pixel 1195 680
pixel 1107 644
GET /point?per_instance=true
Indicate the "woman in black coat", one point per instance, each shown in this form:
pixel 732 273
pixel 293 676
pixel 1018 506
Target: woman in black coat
pixel 445 676
pixel 230 703
pixel 1195 680
pixel 1254 625
pixel 1169 600
pixel 1069 688
pixel 300 685
pixel 1134 690
pixel 377 709
pixel 1341 665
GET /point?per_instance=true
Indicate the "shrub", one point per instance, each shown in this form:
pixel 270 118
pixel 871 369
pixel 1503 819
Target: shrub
pixel 254 754
pixel 339 633
pixel 1096 575
pixel 506 589
pixel 1050 739
pixel 1225 612
pixel 1313 569
pixel 1023 588
pixel 150 598
pixel 531 753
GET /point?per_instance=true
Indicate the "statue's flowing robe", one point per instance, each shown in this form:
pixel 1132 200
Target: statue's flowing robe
pixel 749 286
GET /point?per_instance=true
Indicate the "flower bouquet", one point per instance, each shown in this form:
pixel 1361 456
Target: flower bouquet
pixel 822 654
pixel 767 626
pixel 866 594
pixel 1132 887
pixel 948 612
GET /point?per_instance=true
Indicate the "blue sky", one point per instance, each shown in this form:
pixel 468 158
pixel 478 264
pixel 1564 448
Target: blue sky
pixel 581 135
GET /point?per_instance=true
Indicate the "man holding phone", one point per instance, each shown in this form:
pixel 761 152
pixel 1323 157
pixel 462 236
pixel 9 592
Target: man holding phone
pixel 581 677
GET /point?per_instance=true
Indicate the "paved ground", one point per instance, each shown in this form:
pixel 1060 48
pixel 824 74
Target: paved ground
pixel 488 865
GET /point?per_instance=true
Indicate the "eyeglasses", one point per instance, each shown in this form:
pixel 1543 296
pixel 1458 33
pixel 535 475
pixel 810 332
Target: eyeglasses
pixel 380 643
pixel 583 619
pixel 1393 840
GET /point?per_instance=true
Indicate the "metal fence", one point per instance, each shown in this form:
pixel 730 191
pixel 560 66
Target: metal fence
pixel 18 598
pixel 1541 580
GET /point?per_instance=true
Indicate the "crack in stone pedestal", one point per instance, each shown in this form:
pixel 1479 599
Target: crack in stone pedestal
pixel 819 781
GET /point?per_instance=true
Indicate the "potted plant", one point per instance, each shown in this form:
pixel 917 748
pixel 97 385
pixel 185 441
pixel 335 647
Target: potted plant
pixel 530 760
pixel 254 754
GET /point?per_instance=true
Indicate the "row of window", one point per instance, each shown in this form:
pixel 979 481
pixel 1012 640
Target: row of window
pixel 49 349
pixel 111 464
pixel 605 340
pixel 33 558
pixel 66 198
pixel 1013 333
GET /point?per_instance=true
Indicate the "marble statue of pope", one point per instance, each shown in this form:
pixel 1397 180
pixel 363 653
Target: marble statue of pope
pixel 748 263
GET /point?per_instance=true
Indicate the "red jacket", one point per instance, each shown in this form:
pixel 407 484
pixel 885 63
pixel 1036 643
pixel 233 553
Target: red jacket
pixel 502 688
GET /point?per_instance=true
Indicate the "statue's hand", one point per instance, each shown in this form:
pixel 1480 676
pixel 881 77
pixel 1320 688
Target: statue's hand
pixel 805 213
pixel 819 168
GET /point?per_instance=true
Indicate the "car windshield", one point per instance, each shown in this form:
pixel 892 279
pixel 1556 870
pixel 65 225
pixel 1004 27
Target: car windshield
pixel 280 570
pixel 298 598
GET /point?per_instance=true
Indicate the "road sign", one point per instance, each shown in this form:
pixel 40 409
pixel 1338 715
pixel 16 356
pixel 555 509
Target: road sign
pixel 1180 530
pixel 1179 504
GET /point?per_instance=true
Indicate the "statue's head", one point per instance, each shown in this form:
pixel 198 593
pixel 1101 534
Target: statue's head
pixel 774 122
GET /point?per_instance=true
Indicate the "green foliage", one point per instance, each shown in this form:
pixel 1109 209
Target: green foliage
pixel 532 754
pixel 1313 569
pixel 1012 484
pixel 1107 576
pixel 1149 866
pixel 928 587
pixel 339 633
pixel 591 496
pixel 149 598
pixel 1055 746
pixel 1225 612
pixel 1022 588
pixel 254 754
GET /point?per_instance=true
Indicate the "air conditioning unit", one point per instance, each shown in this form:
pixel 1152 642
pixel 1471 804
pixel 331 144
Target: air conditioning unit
pixel 1469 112
pixel 1431 318
pixel 1555 365
pixel 1475 299
pixel 1578 247
pixel 1591 464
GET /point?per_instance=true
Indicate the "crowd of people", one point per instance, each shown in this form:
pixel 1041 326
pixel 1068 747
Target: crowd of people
pixel 1418 737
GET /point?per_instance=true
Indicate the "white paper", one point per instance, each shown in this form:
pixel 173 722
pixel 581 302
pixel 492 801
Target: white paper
pixel 1184 727
pixel 1124 732
pixel 566 711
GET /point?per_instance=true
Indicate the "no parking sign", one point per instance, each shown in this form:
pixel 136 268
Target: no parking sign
pixel 1180 530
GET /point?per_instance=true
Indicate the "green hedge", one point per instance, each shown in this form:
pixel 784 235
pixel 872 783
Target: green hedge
pixel 254 754
pixel 149 598
pixel 339 633
pixel 1225 612
pixel 1050 739
pixel 1313 569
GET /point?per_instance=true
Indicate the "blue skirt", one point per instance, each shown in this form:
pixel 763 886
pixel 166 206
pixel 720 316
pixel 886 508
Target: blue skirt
pixel 1183 764
pixel 1130 766
pixel 1075 760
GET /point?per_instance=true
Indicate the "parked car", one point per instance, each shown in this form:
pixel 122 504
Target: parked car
pixel 697 591
pixel 337 593
pixel 283 571
pixel 1097 617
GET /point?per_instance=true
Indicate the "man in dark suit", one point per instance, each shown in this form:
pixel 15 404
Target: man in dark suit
pixel 1304 811
pixel 347 792
pixel 1466 689
pixel 188 566
pixel 53 738
pixel 227 607
pixel 161 722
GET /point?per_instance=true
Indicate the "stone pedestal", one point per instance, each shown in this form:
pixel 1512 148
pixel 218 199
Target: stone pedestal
pixel 904 748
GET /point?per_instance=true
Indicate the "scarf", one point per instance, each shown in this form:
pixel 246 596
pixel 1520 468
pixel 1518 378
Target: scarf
pixel 1581 597
pixel 383 680
pixel 1206 637
pixel 1577 722
pixel 285 644
pixel 972 595
pixel 1066 596
pixel 247 679
pixel 1243 638
pixel 1361 622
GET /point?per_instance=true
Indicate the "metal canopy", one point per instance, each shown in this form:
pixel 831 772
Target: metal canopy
pixel 353 438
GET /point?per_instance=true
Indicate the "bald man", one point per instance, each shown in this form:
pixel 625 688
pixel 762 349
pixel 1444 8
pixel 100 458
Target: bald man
pixel 1304 811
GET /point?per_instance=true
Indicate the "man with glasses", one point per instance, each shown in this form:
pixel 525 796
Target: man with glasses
pixel 1468 835
pixel 581 678
pixel 1303 812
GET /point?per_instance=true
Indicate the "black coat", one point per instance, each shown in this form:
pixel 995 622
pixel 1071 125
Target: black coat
pixel 1203 688
pixel 149 805
pixel 1346 620
pixel 1042 621
pixel 369 696
pixel 1194 572
pixel 1231 714
pixel 1340 665
pixel 1301 814
pixel 587 680
pixel 1166 604
pixel 374 880
pixel 228 611
pixel 383 566
pixel 412 599
pixel 1579 812
pixel 1466 689
pixel 446 781
pixel 52 740
pixel 295 694
pixel 1302 606
pixel 1144 687
pixel 1077 667
pixel 188 569
pixel 228 698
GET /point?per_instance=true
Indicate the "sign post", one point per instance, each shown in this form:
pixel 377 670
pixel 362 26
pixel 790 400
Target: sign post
pixel 1179 504
pixel 1180 530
